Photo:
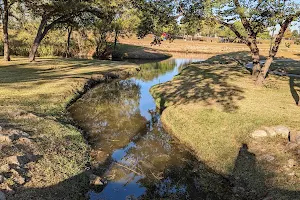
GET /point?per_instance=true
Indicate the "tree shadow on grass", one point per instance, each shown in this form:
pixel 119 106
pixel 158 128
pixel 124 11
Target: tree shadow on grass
pixel 211 82
pixel 295 89
pixel 56 69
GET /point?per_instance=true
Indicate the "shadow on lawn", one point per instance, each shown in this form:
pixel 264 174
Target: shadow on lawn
pixel 247 182
pixel 295 89
pixel 210 83
pixel 54 69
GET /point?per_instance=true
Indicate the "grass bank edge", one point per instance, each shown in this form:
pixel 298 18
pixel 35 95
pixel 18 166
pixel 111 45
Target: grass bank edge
pixel 221 155
pixel 57 138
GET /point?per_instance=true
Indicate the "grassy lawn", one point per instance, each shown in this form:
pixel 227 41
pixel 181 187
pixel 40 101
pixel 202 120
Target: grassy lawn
pixel 131 51
pixel 182 46
pixel 214 106
pixel 33 98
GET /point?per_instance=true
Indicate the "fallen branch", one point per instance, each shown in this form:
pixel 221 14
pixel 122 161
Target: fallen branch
pixel 128 169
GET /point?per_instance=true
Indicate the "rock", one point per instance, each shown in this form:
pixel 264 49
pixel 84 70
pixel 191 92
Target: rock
pixel 270 131
pixel 13 160
pixel 291 163
pixel 27 116
pixel 282 130
pixel 1 129
pixel 17 177
pixel 5 139
pixel 259 134
pixel 5 168
pixel 95 180
pixel 2 196
pixel 18 134
pixel 292 146
pixel 25 141
pixel 268 158
pixel 2 179
pixel 294 137
pixel 19 180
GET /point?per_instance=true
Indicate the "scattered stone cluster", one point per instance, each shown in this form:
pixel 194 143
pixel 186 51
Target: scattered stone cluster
pixel 16 151
pixel 292 141
pixel 281 131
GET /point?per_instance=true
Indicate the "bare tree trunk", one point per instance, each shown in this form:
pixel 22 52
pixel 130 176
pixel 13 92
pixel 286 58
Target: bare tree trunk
pixel 5 31
pixel 255 58
pixel 263 73
pixel 252 44
pixel 42 31
pixel 70 29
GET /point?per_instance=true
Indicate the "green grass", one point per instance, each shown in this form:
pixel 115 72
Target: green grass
pixel 214 106
pixel 44 88
pixel 126 51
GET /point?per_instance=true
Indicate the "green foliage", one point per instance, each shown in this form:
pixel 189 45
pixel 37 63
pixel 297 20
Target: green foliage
pixel 156 17
pixel 295 34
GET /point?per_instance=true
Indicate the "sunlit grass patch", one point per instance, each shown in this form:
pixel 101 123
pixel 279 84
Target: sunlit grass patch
pixel 213 107
pixel 33 98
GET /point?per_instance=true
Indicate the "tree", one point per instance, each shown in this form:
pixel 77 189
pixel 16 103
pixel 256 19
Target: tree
pixel 295 34
pixel 156 16
pixel 5 8
pixel 255 16
pixel 53 12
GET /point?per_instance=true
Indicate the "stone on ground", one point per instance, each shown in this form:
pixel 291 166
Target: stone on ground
pixel 259 134
pixel 270 131
pixel 282 130
pixel 5 138
pixel 295 137
pixel 95 180
pixel 268 157
pixel 13 160
pixel 4 168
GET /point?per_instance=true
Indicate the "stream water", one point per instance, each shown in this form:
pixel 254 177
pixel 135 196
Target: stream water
pixel 130 148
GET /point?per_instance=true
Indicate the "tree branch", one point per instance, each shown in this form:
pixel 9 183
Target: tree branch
pixel 233 29
pixel 244 19
pixel 282 30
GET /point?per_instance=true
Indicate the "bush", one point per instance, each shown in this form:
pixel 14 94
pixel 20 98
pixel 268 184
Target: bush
pixel 297 42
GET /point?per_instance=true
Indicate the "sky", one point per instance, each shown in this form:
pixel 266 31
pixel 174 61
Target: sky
pixel 293 26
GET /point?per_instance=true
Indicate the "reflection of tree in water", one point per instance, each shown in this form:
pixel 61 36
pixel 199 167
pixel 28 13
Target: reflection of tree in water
pixel 150 71
pixel 110 114
pixel 166 170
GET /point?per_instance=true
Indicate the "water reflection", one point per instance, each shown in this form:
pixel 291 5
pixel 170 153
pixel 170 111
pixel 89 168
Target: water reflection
pixel 124 128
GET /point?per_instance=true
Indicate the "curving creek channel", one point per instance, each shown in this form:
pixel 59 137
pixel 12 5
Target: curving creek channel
pixel 131 150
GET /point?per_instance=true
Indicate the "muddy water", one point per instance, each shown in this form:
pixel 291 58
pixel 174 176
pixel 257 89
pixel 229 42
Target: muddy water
pixel 131 151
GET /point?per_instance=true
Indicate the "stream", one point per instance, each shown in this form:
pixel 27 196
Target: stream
pixel 131 150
